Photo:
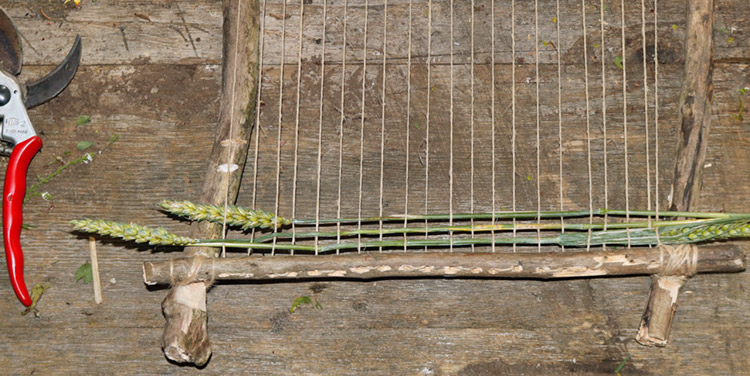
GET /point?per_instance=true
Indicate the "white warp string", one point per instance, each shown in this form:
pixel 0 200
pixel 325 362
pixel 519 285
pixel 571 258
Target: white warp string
pixel 454 131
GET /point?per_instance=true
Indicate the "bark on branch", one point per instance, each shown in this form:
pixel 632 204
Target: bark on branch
pixel 696 98
pixel 185 338
pixel 663 259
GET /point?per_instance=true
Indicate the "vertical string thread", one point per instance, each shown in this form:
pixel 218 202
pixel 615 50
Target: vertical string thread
pixel 625 115
pixel 258 101
pixel 559 117
pixel 513 107
pixel 604 116
pixel 320 124
pixel 588 123
pixel 408 126
pixel 382 118
pixel 538 126
pixel 280 122
pixel 362 129
pixel 450 172
pixel 656 107
pixel 645 108
pixel 492 111
pixel 296 122
pixel 427 115
pixel 471 154
pixel 342 111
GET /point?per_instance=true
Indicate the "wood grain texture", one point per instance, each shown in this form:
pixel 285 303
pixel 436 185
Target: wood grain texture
pixel 164 111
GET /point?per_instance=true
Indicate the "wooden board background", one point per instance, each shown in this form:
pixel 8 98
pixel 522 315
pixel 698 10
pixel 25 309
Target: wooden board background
pixel 151 74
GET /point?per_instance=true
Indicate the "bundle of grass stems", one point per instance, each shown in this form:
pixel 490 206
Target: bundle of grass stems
pixel 648 229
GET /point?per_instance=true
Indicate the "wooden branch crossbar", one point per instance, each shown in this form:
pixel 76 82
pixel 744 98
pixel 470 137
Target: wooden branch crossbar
pixel 663 260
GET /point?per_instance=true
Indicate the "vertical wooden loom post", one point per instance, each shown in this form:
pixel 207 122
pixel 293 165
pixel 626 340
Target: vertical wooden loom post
pixel 185 338
pixel 696 98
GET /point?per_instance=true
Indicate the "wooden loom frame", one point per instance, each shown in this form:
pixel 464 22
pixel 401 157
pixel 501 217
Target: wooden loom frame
pixel 185 337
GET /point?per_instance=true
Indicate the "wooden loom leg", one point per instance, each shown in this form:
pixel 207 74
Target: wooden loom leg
pixel 662 303
pixel 185 338
pixel 696 98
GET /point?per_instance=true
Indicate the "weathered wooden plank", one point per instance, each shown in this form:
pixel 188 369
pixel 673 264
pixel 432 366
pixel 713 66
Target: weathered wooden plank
pixel 186 32
pixel 672 25
pixel 365 328
pixel 402 327
pixel 176 32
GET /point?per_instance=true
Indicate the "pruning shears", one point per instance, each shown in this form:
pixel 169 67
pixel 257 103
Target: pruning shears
pixel 18 136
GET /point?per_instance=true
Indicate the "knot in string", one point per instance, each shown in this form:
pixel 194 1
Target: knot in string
pixel 679 260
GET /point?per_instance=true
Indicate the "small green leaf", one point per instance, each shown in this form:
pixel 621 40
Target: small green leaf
pixel 740 109
pixel 730 40
pixel 724 30
pixel 298 301
pixel 114 138
pixel 84 272
pixel 743 90
pixel 674 27
pixel 83 145
pixel 83 119
pixel 618 61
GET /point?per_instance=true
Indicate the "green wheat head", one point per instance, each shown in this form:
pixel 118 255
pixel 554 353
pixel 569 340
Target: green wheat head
pixel 235 216
pixel 130 231
pixel 698 232
pixel 720 229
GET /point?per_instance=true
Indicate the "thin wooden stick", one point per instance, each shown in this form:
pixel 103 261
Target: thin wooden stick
pixel 696 99
pixel 185 338
pixel 95 271
pixel 667 260
pixel 695 118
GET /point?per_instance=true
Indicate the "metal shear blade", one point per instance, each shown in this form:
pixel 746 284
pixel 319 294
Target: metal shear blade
pixel 56 81
pixel 11 53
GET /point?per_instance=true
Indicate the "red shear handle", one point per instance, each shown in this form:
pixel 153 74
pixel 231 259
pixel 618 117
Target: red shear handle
pixel 13 195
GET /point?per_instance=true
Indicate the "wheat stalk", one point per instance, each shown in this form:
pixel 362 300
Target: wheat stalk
pixel 669 232
pixel 245 218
